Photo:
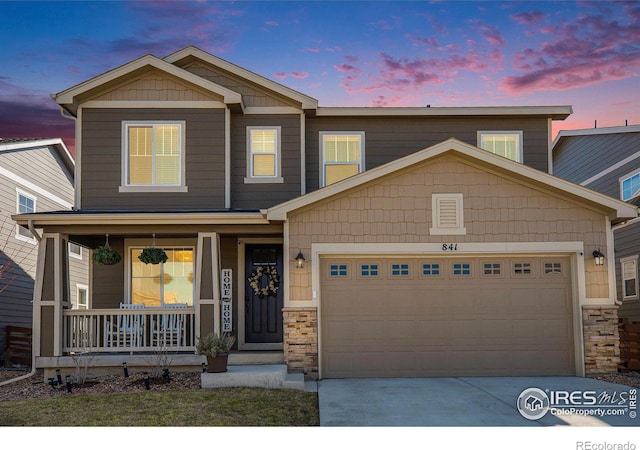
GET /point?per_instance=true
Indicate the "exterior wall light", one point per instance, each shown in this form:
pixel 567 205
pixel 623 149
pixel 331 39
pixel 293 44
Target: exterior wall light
pixel 598 258
pixel 300 260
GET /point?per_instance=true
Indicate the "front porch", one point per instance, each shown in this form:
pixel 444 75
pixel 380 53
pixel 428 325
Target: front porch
pixel 140 314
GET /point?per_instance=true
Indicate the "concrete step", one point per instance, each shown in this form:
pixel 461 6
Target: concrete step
pixel 256 357
pixel 268 376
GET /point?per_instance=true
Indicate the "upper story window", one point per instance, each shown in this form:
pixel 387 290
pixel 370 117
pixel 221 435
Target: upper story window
pixel 75 250
pixel 503 143
pixel 630 186
pixel 263 155
pixel 341 154
pixel 25 204
pixel 153 156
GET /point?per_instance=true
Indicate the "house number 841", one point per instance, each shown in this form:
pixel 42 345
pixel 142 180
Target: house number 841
pixel 449 247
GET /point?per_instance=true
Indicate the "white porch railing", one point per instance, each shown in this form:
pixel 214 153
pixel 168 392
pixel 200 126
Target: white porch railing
pixel 118 330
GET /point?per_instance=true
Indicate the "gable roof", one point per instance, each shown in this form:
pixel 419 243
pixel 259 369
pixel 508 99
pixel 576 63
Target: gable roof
pixel 58 144
pixel 621 210
pixel 306 101
pixel 67 97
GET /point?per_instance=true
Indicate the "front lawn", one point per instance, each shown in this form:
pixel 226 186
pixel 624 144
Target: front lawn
pixel 192 408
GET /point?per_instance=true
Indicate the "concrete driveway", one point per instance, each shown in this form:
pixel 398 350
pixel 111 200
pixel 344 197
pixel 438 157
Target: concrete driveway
pixel 472 401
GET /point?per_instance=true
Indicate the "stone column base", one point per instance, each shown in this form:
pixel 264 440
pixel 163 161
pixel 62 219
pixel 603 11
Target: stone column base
pixel 601 339
pixel 301 340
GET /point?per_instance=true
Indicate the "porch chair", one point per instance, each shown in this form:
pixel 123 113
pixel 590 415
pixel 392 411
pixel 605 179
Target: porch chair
pixel 169 328
pixel 128 329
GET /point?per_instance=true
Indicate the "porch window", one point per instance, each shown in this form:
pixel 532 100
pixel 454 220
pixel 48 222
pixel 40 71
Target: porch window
pixel 507 144
pixel 153 155
pixel 263 155
pixel 166 283
pixel 25 204
pixel 342 155
pixel 82 297
pixel 629 268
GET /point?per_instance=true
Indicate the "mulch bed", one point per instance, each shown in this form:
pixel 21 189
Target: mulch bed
pixel 37 387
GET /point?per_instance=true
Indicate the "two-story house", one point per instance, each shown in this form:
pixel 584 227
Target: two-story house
pixel 608 160
pixel 35 175
pixel 345 242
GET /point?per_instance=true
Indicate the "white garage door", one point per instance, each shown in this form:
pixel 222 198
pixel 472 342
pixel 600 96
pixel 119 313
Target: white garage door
pixel 414 317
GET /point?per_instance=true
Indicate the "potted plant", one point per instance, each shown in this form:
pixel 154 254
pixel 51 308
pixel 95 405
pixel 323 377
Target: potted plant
pixel 153 255
pixel 106 255
pixel 216 348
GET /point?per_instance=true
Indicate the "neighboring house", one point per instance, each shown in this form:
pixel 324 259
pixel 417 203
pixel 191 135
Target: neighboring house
pixel 355 242
pixel 608 160
pixel 35 175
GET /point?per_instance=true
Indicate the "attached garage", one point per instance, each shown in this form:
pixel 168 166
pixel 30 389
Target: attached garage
pixel 429 316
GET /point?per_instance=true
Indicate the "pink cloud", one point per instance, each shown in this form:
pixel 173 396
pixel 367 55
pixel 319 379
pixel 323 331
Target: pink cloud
pixel 345 68
pixel 272 23
pixel 313 49
pixel 280 75
pixel 300 75
pixel 528 18
pixel 592 49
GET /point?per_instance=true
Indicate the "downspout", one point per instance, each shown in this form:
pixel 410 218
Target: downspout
pixel 33 231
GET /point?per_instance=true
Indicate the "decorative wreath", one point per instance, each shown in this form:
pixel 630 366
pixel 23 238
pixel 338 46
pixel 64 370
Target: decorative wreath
pixel 255 281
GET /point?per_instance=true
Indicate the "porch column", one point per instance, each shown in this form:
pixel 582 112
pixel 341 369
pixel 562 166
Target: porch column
pixel 207 297
pixel 51 294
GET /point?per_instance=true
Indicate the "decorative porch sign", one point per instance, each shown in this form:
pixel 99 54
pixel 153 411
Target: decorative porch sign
pixel 227 294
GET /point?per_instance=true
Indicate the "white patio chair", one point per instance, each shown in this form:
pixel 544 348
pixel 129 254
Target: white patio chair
pixel 128 329
pixel 169 328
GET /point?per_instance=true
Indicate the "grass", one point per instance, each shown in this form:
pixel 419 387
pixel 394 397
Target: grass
pixel 193 408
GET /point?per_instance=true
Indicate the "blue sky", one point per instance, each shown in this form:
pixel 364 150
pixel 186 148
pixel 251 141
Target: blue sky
pixel 350 53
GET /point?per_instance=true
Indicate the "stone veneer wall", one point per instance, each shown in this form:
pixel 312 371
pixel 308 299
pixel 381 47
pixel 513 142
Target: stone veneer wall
pixel 601 339
pixel 301 340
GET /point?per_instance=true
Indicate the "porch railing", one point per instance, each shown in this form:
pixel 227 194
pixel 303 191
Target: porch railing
pixel 118 330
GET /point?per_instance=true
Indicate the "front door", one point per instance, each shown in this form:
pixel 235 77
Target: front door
pixel 263 293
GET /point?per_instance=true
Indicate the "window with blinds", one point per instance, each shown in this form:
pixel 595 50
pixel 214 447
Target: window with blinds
pixel 154 154
pixel 341 155
pixel 629 277
pixel 506 144
pixel 447 214
pixel 263 152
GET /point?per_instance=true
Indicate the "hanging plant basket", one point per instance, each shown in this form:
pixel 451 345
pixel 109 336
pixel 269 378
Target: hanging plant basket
pixel 106 255
pixel 153 255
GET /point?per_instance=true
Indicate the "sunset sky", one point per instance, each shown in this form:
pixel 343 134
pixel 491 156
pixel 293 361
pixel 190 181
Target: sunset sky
pixel 351 53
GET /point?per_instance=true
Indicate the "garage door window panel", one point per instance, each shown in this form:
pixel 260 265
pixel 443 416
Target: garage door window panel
pixel 370 270
pixel 553 269
pixel 522 269
pixel 492 269
pixel 431 270
pixel 339 270
pixel 400 270
pixel 461 269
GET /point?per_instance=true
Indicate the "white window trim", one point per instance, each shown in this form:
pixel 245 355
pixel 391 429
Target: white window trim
pixel 160 243
pixel 124 186
pixel 438 230
pixel 81 287
pixel 518 133
pixel 633 259
pixel 626 177
pixel 20 192
pixel 75 255
pixel 322 134
pixel 277 178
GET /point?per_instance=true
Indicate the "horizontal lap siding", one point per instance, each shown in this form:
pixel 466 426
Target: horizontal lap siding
pixel 101 160
pixel 263 195
pixel 387 139
pixel 579 158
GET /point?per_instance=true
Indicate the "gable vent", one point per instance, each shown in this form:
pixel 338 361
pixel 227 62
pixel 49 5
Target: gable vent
pixel 447 212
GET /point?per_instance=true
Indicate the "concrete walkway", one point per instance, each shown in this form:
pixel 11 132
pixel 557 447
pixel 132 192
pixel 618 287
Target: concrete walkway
pixel 473 401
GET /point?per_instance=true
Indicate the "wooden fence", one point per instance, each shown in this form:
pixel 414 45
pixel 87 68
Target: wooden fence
pixel 18 345
pixel 629 346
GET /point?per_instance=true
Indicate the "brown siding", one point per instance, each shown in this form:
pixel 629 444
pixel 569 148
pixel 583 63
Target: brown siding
pixel 206 281
pixel 390 138
pixel 264 195
pixel 46 332
pixel 108 281
pixel 101 160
